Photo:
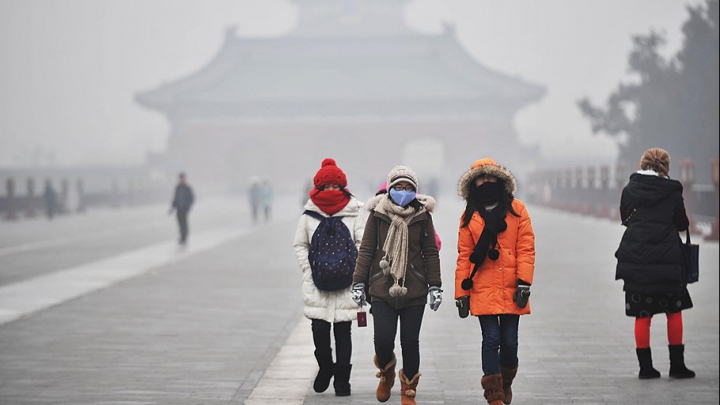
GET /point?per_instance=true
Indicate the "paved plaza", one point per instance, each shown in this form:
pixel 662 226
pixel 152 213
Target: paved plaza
pixel 104 308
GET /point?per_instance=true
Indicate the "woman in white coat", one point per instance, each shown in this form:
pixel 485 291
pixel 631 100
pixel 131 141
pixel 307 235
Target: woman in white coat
pixel 328 308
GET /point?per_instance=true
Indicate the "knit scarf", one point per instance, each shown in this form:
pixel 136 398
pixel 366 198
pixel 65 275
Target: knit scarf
pixel 394 262
pixel 329 201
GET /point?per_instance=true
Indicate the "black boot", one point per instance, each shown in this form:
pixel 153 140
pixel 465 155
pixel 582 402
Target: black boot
pixel 325 362
pixel 647 371
pixel 342 380
pixel 677 363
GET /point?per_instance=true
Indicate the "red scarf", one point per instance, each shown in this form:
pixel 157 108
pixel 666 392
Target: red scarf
pixel 329 201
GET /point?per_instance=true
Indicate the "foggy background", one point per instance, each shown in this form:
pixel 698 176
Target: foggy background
pixel 71 70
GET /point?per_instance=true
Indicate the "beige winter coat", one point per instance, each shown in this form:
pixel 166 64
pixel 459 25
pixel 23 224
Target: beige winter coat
pixel 330 306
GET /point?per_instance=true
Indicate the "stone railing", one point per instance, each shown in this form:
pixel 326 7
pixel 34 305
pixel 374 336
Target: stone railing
pixel 68 196
pixel 596 191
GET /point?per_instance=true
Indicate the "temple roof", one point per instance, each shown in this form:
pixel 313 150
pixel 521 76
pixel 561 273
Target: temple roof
pixel 396 72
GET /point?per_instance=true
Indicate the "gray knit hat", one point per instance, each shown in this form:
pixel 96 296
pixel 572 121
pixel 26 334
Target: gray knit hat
pixel 402 173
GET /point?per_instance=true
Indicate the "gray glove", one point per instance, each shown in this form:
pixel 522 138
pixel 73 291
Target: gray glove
pixel 358 294
pixel 435 297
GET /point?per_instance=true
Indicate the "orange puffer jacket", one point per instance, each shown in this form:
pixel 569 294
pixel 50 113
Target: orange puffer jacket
pixel 495 281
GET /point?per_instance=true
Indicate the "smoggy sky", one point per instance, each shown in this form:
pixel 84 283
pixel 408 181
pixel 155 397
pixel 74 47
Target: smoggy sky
pixel 69 69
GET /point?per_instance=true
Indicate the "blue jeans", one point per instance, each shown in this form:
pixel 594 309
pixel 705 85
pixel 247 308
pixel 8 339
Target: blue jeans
pixel 500 342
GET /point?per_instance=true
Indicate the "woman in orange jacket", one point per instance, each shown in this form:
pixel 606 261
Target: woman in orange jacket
pixel 495 266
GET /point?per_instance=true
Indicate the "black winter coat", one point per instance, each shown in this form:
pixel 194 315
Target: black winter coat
pixel 183 198
pixel 649 257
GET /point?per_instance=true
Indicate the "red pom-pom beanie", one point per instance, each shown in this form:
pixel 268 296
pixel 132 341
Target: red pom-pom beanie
pixel 329 173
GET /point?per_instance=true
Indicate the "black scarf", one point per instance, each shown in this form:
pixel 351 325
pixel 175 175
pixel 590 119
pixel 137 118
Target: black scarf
pixel 485 195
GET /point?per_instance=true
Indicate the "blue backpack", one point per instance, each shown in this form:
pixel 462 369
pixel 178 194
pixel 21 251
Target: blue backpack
pixel 332 254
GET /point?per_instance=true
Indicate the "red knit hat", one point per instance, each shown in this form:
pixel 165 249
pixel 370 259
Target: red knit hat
pixel 329 173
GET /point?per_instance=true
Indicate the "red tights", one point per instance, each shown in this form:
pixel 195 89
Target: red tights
pixel 674 330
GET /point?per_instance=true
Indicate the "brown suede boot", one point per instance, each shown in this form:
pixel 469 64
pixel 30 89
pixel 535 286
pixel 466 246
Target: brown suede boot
pixel 508 375
pixel 408 388
pixel 492 384
pixel 387 379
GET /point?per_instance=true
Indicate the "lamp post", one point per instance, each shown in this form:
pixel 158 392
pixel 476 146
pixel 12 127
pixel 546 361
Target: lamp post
pixel 604 210
pixel 10 190
pixel 687 178
pixel 715 176
pixel 81 195
pixel 30 199
pixel 620 179
pixel 578 192
pixel 590 193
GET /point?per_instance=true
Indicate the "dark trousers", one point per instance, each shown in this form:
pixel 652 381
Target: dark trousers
pixel 343 340
pixel 268 212
pixel 182 215
pixel 255 210
pixel 385 321
pixel 500 342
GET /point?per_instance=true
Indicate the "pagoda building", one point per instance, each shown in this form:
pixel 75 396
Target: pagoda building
pixel 352 81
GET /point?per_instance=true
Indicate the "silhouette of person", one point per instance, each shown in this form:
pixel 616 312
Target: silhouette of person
pixel 255 194
pixel 267 198
pixel 181 204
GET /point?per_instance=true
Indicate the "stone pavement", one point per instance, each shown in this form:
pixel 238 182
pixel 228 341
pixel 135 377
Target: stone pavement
pixel 224 326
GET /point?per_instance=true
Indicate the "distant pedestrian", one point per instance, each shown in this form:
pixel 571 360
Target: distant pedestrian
pixel 183 200
pixel 398 268
pixel 332 214
pixel 255 195
pixel 495 268
pixel 267 195
pixel 50 198
pixel 650 260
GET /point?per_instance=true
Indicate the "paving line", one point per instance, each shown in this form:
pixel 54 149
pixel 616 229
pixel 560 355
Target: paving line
pixel 290 374
pixel 26 297
pixel 30 246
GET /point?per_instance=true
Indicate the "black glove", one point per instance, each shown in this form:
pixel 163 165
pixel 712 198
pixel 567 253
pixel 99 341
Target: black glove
pixel 521 296
pixel 463 306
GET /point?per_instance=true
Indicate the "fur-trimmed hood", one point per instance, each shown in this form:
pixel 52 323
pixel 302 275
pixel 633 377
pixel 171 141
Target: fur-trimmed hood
pixel 427 201
pixel 486 166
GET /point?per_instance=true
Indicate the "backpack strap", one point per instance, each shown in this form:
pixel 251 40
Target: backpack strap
pixel 314 215
pixel 317 216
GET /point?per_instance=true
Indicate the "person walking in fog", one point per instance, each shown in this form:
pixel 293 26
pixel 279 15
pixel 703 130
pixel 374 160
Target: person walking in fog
pixel 267 194
pixel 255 195
pixel 650 260
pixel 495 268
pixel 398 267
pixel 183 200
pixel 331 220
pixel 50 197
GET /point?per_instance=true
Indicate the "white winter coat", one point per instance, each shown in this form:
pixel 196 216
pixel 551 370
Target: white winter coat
pixel 330 306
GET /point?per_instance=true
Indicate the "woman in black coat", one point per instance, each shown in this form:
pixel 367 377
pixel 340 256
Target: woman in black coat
pixel 650 259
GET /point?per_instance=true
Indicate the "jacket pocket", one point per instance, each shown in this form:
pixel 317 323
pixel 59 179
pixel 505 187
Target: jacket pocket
pixel 420 275
pixel 375 277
